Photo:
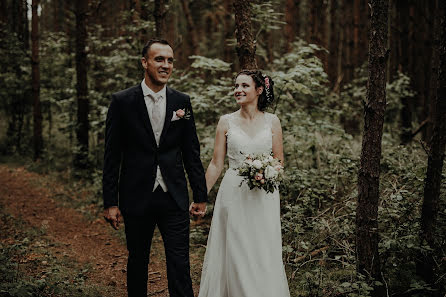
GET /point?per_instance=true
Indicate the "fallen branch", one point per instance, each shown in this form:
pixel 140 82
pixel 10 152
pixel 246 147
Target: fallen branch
pixel 423 123
pixel 311 255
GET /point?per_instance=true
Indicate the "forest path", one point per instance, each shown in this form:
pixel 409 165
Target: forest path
pixel 36 199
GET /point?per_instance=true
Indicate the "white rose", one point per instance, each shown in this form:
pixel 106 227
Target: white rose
pixel 270 172
pixel 270 158
pixel 257 164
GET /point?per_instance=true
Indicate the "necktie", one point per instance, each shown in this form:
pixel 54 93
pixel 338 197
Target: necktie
pixel 156 113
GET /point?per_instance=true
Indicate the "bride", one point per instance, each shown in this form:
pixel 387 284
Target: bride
pixel 244 250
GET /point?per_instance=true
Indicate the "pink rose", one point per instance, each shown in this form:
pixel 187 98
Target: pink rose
pixel 267 82
pixel 180 113
pixel 259 176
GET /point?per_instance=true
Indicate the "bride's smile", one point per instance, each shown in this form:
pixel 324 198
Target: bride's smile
pixel 245 91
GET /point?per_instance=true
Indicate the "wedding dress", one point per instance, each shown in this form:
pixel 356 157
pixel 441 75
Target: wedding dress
pixel 244 249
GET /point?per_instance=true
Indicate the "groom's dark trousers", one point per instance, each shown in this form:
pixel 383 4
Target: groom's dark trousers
pixel 130 163
pixel 173 224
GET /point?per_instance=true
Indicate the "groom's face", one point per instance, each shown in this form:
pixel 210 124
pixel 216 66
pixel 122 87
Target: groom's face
pixel 158 64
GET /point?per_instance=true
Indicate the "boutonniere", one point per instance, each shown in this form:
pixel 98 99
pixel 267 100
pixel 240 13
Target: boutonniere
pixel 181 114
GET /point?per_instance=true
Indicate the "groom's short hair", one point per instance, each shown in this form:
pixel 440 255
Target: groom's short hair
pixel 149 43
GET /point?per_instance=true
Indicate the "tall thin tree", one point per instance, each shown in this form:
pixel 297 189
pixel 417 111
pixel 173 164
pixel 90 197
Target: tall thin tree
pixel 246 48
pixel 3 12
pixel 291 20
pixel 228 52
pixel 432 182
pixel 80 161
pixel 367 256
pixel 159 13
pixel 37 112
pixel 192 38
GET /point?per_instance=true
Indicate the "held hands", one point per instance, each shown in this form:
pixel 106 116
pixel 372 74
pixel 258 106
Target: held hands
pixel 113 216
pixel 197 209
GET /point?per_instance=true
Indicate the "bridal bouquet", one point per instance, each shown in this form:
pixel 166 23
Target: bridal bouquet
pixel 261 171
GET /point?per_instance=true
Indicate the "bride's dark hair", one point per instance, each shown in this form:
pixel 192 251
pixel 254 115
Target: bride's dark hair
pixel 261 80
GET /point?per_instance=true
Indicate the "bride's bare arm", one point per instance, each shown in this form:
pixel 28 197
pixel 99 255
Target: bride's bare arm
pixel 277 139
pixel 216 165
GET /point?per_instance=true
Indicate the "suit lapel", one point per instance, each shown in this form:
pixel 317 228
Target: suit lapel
pixel 143 114
pixel 170 103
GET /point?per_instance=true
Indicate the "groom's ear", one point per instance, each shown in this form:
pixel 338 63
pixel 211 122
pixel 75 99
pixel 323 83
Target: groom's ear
pixel 144 62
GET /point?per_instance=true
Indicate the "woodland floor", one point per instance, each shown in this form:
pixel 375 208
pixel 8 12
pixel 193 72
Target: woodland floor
pixel 71 234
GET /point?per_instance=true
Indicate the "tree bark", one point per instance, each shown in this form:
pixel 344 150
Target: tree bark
pixel 432 182
pixel 427 49
pixel 332 61
pixel 81 157
pixel 228 27
pixel 367 256
pixel 159 14
pixel 192 36
pixel 15 24
pixel 348 66
pixel 432 84
pixel 246 48
pixel 290 19
pixel 3 12
pixel 356 27
pixel 37 112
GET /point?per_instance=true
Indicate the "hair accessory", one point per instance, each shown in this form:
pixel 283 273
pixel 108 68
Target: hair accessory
pixel 268 97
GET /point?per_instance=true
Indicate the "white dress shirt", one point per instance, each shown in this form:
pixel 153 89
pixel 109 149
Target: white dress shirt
pixel 148 95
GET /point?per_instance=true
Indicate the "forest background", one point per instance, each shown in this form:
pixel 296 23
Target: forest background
pixel 61 61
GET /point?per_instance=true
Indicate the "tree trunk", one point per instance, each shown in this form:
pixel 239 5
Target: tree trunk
pixel 427 49
pixel 432 84
pixel 25 26
pixel 348 65
pixel 332 60
pixel 37 113
pixel 290 19
pixel 327 35
pixel 402 38
pixel 367 256
pixel 356 27
pixel 81 157
pixel 229 33
pixel 432 182
pixel 246 48
pixel 18 24
pixel 192 36
pixel 3 12
pixel 159 14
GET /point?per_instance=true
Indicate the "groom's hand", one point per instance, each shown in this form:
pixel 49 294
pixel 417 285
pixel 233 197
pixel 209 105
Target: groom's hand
pixel 198 209
pixel 113 216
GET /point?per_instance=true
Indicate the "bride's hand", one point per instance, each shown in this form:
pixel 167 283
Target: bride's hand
pixel 198 209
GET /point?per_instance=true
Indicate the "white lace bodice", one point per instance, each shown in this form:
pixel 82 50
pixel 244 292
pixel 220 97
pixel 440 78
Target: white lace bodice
pixel 239 144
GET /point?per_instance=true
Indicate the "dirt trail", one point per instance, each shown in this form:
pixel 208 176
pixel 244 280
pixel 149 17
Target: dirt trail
pixel 34 199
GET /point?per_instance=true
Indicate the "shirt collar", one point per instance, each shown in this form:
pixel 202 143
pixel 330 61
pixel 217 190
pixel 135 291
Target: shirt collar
pixel 148 91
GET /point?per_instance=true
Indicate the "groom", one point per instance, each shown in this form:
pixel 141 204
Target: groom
pixel 150 135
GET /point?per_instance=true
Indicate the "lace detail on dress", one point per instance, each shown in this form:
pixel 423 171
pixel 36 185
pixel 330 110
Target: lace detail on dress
pixel 240 144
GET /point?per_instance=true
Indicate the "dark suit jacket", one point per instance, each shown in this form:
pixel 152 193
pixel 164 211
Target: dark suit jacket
pixel 131 153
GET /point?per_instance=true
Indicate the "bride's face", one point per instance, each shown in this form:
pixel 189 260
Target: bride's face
pixel 245 91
